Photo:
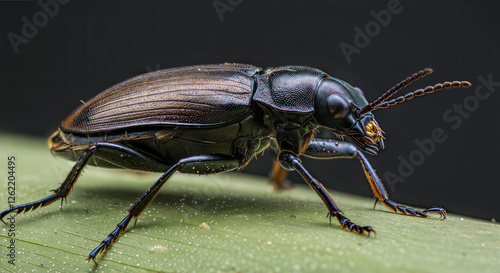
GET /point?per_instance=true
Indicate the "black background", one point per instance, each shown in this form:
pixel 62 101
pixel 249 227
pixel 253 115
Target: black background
pixel 87 46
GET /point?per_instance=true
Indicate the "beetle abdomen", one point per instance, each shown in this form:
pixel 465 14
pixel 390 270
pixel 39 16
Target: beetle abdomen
pixel 187 96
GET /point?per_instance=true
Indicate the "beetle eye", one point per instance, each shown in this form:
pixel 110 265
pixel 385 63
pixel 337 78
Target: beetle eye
pixel 337 106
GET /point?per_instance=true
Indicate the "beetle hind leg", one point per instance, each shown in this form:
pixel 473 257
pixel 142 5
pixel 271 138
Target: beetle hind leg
pixel 121 156
pixel 30 206
pixel 59 193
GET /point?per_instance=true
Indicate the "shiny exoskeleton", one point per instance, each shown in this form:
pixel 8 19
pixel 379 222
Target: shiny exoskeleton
pixel 208 119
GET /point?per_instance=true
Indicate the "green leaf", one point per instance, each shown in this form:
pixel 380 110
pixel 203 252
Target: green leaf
pixel 252 228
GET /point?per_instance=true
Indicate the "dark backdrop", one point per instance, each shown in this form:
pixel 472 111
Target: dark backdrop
pixel 55 54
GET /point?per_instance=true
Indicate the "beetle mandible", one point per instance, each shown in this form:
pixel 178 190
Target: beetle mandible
pixel 208 119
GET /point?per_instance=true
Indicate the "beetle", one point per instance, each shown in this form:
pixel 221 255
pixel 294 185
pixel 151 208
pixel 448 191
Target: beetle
pixel 208 119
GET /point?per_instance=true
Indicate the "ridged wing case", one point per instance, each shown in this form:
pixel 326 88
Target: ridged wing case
pixel 194 96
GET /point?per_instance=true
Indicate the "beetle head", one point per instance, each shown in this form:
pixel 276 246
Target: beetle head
pixel 344 109
pixel 337 105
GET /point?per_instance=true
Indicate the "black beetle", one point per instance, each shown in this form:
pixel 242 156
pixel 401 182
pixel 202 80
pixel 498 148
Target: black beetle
pixel 208 119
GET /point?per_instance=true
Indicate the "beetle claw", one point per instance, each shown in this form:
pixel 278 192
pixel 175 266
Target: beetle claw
pixel 93 259
pixel 441 211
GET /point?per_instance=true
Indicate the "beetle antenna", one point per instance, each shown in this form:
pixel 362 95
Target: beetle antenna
pixel 421 92
pixel 372 106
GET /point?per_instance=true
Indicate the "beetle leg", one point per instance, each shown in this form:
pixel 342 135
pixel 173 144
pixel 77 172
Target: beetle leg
pixel 330 149
pixel 290 162
pixel 61 192
pixel 120 155
pixel 194 164
pixel 379 191
pixel 134 211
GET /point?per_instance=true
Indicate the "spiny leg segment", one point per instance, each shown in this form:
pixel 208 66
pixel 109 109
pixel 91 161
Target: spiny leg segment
pixel 60 193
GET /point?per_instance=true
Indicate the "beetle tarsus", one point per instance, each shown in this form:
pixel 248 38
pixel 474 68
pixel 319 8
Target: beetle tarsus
pixel 30 206
pixel 405 210
pixel 106 243
pixel 348 225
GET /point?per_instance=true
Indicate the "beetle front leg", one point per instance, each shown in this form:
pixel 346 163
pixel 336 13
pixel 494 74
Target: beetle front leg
pixel 379 191
pixel 290 162
pixel 330 149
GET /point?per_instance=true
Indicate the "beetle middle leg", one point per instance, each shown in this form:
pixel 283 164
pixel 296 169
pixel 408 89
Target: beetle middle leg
pixel 203 164
pixel 329 149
